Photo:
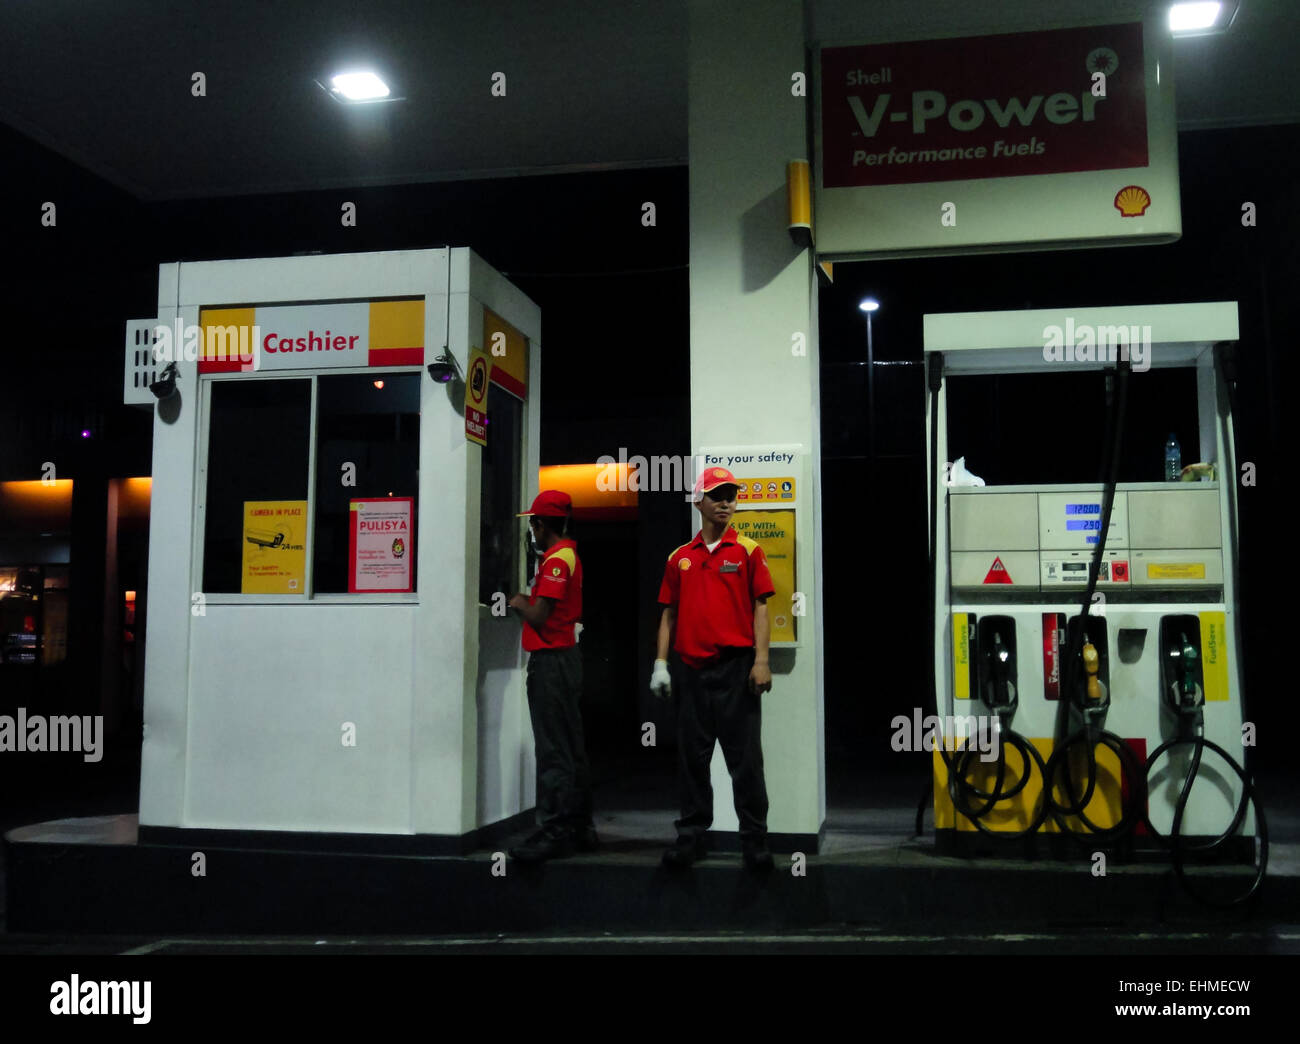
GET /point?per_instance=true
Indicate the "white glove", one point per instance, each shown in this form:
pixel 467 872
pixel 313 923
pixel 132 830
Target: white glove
pixel 660 681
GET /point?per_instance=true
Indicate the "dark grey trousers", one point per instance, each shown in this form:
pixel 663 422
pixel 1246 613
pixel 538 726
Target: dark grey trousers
pixel 715 705
pixel 554 703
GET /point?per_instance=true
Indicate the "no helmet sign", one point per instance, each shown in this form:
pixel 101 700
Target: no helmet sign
pixel 476 392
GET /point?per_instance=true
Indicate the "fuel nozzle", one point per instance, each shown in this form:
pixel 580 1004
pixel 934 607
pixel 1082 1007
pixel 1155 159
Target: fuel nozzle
pixel 1003 697
pixel 1091 662
pixel 1181 671
pixel 995 638
pixel 1189 694
pixel 1097 699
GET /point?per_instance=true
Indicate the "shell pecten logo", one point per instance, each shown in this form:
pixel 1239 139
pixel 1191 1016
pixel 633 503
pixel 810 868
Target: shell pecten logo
pixel 1132 201
pixel 684 564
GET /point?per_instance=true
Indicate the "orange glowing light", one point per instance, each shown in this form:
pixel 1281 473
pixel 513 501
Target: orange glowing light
pixel 598 491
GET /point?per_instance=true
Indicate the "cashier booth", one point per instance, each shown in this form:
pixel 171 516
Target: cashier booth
pixel 330 522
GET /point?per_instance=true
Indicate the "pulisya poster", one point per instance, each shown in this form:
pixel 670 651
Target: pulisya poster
pixel 381 544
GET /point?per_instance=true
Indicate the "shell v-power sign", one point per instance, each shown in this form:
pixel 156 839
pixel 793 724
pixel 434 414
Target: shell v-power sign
pixel 1039 140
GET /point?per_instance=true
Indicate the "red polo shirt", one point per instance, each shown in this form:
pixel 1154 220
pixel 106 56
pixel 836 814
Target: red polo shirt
pixel 559 576
pixel 714 594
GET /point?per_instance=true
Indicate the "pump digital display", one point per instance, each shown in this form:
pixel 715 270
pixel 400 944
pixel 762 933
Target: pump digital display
pixel 1088 525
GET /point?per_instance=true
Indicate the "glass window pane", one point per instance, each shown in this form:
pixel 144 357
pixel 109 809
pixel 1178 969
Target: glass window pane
pixel 258 443
pixel 367 433
pixel 501 533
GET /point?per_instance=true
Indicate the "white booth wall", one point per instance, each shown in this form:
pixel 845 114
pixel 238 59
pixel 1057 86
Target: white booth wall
pixel 245 703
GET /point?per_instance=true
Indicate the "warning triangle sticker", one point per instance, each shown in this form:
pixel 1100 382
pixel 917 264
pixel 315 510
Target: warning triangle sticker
pixel 997 573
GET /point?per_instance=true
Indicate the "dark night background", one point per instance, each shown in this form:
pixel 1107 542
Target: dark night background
pixel 614 299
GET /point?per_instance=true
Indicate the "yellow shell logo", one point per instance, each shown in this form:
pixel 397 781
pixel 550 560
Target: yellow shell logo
pixel 684 564
pixel 719 473
pixel 1132 201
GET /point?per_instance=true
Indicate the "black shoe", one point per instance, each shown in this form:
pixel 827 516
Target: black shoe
pixel 585 839
pixel 543 845
pixel 756 856
pixel 685 852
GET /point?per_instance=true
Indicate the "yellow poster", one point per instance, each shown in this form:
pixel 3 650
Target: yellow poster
pixel 275 541
pixel 773 531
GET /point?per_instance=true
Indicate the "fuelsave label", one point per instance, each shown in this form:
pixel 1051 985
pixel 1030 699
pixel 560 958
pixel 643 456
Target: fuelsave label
pixel 983 107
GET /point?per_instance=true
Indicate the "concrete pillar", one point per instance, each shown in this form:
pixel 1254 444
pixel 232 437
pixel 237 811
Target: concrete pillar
pixel 752 290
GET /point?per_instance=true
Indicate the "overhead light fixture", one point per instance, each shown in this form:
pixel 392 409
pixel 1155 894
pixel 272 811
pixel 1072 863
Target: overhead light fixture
pixel 358 87
pixel 1201 17
pixel 366 86
pixel 868 304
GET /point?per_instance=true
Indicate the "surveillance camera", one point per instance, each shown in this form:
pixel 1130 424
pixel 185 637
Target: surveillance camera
pixel 165 386
pixel 443 369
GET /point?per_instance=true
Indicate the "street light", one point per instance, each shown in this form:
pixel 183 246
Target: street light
pixel 869 305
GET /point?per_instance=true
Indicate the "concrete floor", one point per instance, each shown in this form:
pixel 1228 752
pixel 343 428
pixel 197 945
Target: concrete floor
pixel 870 824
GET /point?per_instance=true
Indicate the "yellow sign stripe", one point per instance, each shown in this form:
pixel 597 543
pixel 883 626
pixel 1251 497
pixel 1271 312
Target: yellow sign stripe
pixel 960 656
pixel 397 324
pixel 1214 655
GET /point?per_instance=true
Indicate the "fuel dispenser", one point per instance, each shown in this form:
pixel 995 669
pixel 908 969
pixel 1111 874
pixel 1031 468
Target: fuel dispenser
pixel 1129 590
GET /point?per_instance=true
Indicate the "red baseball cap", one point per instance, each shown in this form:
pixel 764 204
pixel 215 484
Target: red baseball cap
pixel 549 503
pixel 711 479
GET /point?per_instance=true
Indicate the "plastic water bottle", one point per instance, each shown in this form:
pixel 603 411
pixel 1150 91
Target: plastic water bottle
pixel 1173 459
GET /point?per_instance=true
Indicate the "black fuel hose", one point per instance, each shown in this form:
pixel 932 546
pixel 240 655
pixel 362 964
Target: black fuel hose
pixel 1090 736
pixel 1226 362
pixel 1132 803
pixel 963 792
pixel 1180 849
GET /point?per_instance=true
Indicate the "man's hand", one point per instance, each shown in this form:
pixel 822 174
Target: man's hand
pixel 660 681
pixel 760 679
pixel 519 602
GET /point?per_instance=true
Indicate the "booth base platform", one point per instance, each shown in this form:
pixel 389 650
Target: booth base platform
pixel 96 875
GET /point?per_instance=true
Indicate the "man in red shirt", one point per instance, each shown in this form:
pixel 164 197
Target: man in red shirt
pixel 714 594
pixel 550 613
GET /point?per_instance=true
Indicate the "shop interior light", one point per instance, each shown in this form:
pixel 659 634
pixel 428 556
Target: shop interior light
pixel 1201 17
pixel 868 304
pixel 360 86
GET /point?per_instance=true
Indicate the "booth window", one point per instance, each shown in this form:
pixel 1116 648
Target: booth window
pixel 259 436
pixel 501 533
pixel 371 422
